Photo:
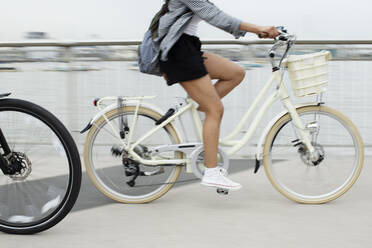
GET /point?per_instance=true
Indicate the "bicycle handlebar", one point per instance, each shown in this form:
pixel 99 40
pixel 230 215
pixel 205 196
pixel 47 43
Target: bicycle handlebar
pixel 283 34
pixel 284 38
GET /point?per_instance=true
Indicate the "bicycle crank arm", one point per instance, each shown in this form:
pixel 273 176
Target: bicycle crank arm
pixel 136 173
pixel 153 173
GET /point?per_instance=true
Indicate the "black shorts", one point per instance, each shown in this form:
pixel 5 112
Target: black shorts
pixel 185 60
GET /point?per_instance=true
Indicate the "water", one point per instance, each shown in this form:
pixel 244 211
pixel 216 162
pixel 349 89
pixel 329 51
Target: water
pixel 69 95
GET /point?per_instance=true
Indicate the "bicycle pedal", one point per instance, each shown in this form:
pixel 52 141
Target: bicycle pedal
pixel 222 191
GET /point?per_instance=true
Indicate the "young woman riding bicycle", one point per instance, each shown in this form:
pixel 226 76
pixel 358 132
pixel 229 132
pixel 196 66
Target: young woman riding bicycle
pixel 182 61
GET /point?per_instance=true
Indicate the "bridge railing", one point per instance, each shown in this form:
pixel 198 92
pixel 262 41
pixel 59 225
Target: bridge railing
pixel 66 76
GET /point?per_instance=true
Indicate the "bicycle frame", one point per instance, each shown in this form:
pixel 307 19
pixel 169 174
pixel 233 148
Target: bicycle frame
pixel 235 145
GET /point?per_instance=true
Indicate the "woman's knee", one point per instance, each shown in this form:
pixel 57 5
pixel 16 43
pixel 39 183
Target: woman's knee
pixel 239 74
pixel 215 109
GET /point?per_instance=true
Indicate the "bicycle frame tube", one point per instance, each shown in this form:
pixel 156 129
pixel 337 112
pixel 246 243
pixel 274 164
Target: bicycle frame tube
pixel 190 105
pixel 226 140
pixel 236 145
pixel 281 93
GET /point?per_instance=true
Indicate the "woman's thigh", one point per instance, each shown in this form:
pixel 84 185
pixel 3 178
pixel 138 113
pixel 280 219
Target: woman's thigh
pixel 219 67
pixel 203 92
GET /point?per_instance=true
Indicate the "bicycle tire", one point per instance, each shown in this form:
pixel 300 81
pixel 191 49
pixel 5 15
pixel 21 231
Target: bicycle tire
pixel 72 156
pixel 108 188
pixel 283 188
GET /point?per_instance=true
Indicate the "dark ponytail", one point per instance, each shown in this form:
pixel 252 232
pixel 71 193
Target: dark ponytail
pixel 164 8
pixel 155 20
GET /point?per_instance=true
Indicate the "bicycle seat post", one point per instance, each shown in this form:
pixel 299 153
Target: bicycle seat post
pixel 180 103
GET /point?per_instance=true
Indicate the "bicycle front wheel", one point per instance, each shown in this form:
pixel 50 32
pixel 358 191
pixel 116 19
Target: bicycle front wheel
pixel 112 171
pixel 40 181
pixel 289 167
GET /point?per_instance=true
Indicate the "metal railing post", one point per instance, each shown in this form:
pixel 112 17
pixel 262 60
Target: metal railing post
pixel 71 89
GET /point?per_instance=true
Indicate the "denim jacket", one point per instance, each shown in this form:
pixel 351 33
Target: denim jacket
pixel 174 22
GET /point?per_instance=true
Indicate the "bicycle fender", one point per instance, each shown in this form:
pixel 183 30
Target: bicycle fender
pixel 259 148
pixel 114 106
pixel 4 95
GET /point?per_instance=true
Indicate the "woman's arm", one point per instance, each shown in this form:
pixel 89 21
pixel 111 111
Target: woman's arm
pixel 216 17
pixel 261 31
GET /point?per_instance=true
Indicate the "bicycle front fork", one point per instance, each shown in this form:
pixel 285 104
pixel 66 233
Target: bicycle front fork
pixel 304 132
pixel 4 165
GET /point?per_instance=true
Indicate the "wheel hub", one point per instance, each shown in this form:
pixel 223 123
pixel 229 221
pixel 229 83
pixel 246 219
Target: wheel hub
pixel 311 159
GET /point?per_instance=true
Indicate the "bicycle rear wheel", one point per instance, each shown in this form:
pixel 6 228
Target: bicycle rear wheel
pixel 289 167
pixel 111 170
pixel 45 176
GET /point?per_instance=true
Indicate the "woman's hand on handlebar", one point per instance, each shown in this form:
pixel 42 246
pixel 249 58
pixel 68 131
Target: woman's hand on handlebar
pixel 268 32
pixel 261 31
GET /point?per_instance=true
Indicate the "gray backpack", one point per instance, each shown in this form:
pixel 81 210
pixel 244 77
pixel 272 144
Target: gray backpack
pixel 148 55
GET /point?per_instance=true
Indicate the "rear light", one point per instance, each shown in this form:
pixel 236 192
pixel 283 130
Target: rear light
pixel 95 101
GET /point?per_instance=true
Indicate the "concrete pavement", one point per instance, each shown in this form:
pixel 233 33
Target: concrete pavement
pixel 194 216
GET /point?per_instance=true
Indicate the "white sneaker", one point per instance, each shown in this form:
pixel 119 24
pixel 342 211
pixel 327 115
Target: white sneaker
pixel 214 177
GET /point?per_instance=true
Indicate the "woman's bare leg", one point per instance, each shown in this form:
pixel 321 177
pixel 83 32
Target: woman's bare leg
pixel 208 97
pixel 228 73
pixel 203 92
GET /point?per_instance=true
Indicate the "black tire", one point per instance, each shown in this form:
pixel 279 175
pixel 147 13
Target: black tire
pixel 53 125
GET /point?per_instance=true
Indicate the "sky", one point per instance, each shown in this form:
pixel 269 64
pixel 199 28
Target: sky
pixel 128 19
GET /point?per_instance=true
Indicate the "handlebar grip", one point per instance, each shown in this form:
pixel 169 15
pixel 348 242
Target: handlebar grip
pixel 263 35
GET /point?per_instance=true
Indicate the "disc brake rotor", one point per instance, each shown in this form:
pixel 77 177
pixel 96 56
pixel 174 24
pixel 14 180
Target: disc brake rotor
pixel 21 164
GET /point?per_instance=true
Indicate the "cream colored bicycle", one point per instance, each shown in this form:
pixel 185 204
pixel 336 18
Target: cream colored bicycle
pixel 311 153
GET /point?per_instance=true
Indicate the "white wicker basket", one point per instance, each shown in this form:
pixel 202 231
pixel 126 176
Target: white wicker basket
pixel 308 73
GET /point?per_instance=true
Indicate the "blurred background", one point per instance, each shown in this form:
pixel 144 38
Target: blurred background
pixel 63 54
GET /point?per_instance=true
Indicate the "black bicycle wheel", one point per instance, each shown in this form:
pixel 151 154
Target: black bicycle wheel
pixel 43 188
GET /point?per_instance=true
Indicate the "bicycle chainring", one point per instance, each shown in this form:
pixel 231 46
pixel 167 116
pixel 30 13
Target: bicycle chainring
pixel 198 162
